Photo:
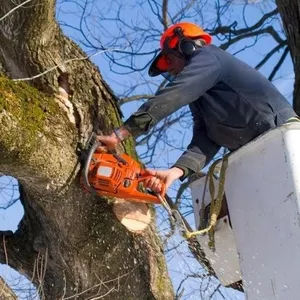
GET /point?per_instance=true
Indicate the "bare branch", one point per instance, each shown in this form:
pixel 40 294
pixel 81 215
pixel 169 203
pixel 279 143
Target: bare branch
pixel 184 9
pixel 270 54
pixel 278 65
pixel 238 38
pixel 201 276
pixel 215 290
pixel 228 29
pixel 9 191
pixel 134 98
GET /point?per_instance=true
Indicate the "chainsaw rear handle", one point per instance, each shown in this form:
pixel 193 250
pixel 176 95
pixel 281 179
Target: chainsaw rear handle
pixel 144 176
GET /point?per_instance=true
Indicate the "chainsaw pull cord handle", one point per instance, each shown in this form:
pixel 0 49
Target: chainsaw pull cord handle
pixel 92 150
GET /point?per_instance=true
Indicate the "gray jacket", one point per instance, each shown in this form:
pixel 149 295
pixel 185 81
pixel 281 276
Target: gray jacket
pixel 231 104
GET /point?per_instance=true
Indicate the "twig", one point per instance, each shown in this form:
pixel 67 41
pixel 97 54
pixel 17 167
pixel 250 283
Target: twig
pixel 11 11
pixel 97 285
pixel 66 62
pixel 215 290
pixel 6 260
pixel 134 98
pixel 102 296
pixel 41 271
pixel 5 251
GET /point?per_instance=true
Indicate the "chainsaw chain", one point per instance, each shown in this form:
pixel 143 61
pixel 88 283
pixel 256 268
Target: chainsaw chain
pixel 174 215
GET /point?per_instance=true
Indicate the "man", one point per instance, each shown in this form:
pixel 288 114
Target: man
pixel 231 103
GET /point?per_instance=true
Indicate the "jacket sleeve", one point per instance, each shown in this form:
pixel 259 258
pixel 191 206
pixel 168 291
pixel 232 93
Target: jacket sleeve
pixel 200 151
pixel 200 74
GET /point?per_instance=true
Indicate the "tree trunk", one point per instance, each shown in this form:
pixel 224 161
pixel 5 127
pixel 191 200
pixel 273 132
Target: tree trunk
pixel 290 14
pixel 5 291
pixel 68 242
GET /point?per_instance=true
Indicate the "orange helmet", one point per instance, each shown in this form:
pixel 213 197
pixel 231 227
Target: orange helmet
pixel 170 40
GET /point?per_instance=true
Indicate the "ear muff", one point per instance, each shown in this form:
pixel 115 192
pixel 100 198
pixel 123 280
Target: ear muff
pixel 186 46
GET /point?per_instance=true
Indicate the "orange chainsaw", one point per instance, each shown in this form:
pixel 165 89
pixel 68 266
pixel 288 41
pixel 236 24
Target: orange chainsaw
pixel 109 174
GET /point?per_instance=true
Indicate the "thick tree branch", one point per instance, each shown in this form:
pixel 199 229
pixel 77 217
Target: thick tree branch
pixel 71 238
pixel 31 137
pixel 290 13
pixel 32 249
pixel 165 19
pixel 25 20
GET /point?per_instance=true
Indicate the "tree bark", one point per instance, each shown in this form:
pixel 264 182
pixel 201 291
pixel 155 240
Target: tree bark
pixel 5 291
pixel 290 14
pixel 68 243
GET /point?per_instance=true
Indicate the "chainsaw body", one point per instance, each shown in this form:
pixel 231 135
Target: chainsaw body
pixel 108 174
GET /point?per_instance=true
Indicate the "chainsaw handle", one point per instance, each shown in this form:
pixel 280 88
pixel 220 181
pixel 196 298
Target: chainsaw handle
pixel 86 183
pixel 143 177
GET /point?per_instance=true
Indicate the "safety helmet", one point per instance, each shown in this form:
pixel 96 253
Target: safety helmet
pixel 177 38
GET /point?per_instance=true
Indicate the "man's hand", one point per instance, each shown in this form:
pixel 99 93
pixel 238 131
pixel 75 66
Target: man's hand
pixel 165 176
pixel 112 141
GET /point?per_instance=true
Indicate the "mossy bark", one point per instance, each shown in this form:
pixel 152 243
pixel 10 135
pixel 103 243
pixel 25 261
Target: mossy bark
pixel 68 242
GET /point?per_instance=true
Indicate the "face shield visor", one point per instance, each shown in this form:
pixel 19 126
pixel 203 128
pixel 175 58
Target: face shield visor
pixel 160 64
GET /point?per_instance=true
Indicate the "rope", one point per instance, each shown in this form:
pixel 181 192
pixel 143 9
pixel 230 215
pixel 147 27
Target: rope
pixel 215 208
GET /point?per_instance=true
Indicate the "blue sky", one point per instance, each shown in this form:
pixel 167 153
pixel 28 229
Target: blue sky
pixel 179 264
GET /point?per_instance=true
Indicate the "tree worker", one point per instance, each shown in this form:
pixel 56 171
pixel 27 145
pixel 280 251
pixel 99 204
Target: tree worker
pixel 231 102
